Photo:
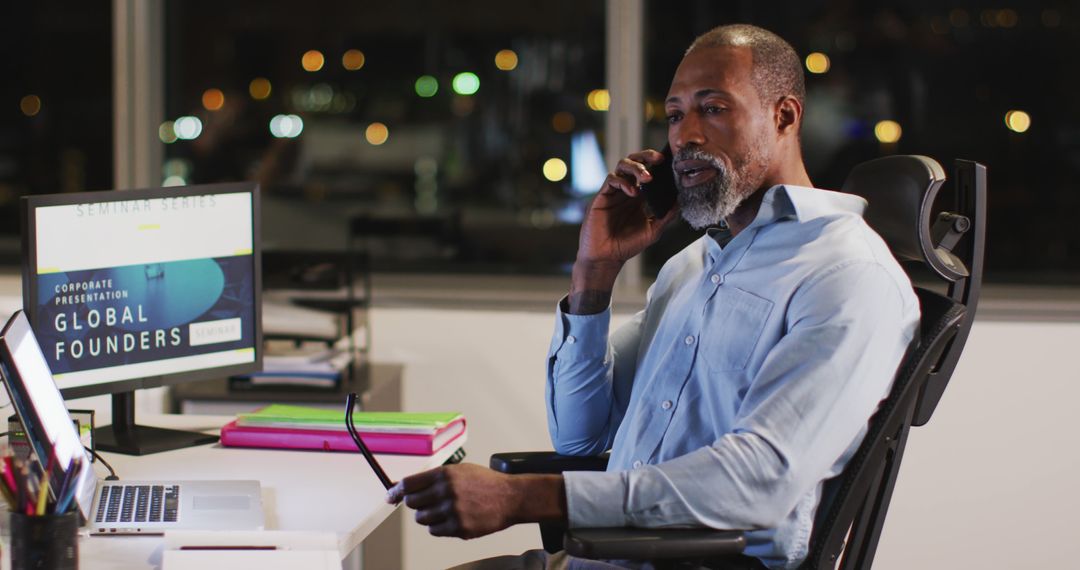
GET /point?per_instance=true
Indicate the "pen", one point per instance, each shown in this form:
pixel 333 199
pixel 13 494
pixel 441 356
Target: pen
pixel 63 500
pixel 43 494
pixel 350 403
pixel 65 480
pixel 9 496
pixel 20 486
pixel 26 498
pixel 9 473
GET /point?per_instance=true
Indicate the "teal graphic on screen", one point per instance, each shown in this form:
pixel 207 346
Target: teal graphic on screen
pixel 146 312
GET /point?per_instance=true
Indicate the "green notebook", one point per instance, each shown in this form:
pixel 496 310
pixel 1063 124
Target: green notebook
pixel 284 415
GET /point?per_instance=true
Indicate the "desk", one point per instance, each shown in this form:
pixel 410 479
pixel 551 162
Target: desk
pixel 301 490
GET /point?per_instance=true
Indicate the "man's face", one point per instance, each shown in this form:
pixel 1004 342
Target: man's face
pixel 721 134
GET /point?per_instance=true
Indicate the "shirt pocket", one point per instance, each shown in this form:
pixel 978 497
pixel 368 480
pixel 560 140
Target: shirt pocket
pixel 732 325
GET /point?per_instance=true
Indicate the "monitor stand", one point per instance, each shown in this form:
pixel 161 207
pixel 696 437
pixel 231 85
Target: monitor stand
pixel 124 436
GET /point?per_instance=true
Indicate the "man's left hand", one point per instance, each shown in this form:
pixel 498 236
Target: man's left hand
pixel 464 500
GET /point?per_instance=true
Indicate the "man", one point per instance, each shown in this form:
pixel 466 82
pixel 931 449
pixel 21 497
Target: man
pixel 763 349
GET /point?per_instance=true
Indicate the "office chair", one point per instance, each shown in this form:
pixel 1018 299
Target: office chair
pixel 900 191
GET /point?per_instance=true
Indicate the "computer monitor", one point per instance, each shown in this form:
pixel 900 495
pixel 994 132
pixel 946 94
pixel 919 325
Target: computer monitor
pixel 137 289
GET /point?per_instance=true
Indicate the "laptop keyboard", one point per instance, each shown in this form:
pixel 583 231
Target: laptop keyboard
pixel 138 503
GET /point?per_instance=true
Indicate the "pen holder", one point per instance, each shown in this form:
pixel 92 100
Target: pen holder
pixel 46 542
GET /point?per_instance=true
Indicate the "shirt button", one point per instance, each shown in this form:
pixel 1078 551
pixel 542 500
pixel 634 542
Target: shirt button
pixel 715 279
pixel 637 464
pixel 666 405
pixel 570 339
pixel 689 339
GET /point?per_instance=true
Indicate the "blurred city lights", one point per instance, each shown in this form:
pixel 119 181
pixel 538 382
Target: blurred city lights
pixel 176 167
pixel 1017 121
pixel 887 131
pixel 466 83
pixel 817 62
pixel 598 99
pixel 312 60
pixel 353 59
pixel 376 133
pixel 187 128
pixel 213 99
pixel 321 96
pixel 167 133
pixel 427 86
pixel 650 110
pixel 286 126
pixel 30 105
pixel 259 88
pixel 554 169
pixel 562 122
pixel 506 60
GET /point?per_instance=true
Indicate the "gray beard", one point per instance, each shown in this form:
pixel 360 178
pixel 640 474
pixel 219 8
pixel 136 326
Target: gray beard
pixel 706 204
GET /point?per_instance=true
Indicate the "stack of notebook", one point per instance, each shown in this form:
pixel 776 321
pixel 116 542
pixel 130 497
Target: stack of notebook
pixel 296 427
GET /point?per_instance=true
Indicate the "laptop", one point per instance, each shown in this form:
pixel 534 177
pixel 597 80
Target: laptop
pixel 111 507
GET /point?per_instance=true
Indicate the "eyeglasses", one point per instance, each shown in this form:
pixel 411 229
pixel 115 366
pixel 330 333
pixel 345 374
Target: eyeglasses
pixel 350 403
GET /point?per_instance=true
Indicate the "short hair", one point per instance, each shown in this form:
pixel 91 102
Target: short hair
pixel 777 70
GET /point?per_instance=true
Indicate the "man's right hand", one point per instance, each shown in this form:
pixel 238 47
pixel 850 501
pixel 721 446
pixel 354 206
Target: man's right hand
pixel 616 228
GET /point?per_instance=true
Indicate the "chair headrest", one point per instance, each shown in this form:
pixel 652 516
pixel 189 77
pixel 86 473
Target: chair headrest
pixel 900 190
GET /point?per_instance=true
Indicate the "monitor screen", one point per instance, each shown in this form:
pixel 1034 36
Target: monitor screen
pixel 141 288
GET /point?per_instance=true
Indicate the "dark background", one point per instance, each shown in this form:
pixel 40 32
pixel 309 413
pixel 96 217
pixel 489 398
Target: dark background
pixel 476 198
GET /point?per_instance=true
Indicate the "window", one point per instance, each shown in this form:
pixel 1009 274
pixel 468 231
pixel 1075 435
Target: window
pixel 980 81
pixel 468 129
pixel 55 104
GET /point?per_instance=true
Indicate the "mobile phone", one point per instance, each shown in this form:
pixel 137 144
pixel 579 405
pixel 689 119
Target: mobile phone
pixel 660 194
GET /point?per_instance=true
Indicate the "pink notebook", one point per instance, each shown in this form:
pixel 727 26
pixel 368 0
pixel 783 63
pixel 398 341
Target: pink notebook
pixel 233 435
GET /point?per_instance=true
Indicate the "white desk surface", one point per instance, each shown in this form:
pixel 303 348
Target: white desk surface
pixel 301 490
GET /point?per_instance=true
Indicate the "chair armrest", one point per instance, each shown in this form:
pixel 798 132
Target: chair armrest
pixel 546 462
pixel 653 544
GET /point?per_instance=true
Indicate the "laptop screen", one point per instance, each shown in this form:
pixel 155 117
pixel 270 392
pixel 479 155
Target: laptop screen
pixel 37 400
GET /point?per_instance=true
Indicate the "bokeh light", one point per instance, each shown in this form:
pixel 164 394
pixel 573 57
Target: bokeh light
pixel 377 133
pixel 260 88
pixel 353 59
pixel 286 126
pixel 466 83
pixel 312 60
pixel 213 99
pixel 506 60
pixel 167 133
pixel 1017 121
pixel 555 169
pixel 887 131
pixel 188 128
pixel 30 105
pixel 817 62
pixel 599 99
pixel 427 86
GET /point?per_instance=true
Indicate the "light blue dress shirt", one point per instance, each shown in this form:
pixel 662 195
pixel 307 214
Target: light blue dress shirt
pixel 746 381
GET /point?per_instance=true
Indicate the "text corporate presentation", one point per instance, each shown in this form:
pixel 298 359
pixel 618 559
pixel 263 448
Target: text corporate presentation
pixel 136 288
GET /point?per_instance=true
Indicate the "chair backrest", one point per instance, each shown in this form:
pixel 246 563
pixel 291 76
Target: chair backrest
pixel 901 192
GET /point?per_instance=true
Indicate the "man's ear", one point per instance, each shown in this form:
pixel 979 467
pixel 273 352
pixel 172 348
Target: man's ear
pixel 788 115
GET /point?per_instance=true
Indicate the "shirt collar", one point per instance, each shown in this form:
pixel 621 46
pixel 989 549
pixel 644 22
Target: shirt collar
pixel 801 203
pixel 804 204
